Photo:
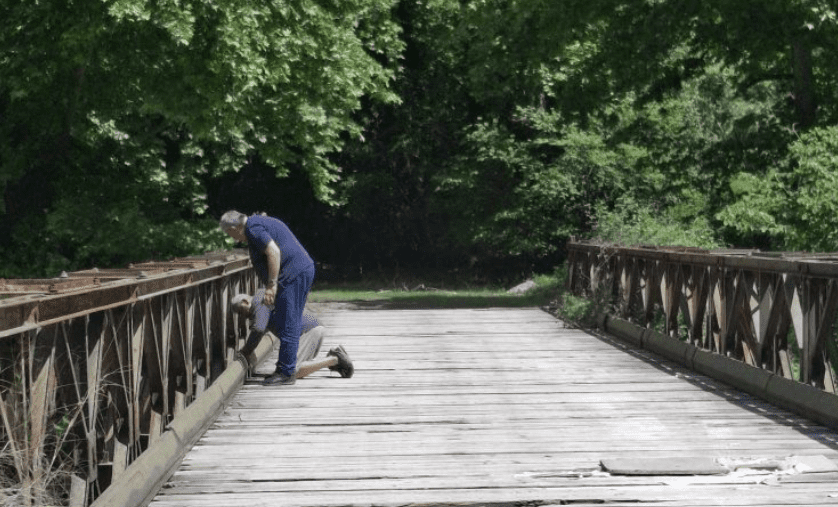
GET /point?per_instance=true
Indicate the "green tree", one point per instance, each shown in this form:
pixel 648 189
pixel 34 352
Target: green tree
pixel 388 181
pixel 794 203
pixel 683 95
pixel 154 97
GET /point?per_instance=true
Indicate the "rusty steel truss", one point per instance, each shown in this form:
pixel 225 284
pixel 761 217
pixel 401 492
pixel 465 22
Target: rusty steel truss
pixel 774 311
pixel 95 364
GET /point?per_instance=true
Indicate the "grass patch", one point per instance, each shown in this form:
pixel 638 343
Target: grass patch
pixel 422 297
pixel 549 293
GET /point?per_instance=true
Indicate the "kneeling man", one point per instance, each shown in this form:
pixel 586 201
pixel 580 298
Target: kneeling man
pixel 263 320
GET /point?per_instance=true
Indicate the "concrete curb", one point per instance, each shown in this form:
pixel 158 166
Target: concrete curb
pixel 790 395
pixel 803 399
pixel 678 351
pixel 624 330
pixel 736 373
pixel 139 484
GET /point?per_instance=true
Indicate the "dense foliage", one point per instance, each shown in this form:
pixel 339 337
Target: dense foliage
pixel 116 113
pixel 438 134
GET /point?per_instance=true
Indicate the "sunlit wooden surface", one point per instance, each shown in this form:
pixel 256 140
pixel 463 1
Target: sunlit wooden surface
pixel 491 407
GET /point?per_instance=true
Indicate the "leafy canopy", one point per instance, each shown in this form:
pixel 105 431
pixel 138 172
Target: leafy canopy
pixel 156 97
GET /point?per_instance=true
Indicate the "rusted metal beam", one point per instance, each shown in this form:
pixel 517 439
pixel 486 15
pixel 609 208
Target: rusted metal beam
pixel 774 311
pixel 96 365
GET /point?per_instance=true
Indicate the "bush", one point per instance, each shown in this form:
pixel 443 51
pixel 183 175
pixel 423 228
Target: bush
pixel 633 223
pixel 795 204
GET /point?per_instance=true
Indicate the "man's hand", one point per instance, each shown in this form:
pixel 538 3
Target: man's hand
pixel 248 351
pixel 270 294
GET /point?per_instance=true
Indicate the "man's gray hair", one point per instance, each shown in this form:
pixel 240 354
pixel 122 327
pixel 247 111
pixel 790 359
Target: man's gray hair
pixel 232 220
pixel 238 299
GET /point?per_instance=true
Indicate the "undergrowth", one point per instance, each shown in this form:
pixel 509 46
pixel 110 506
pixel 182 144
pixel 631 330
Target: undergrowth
pixel 35 470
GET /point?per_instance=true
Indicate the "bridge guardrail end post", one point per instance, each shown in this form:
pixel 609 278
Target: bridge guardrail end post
pixel 602 321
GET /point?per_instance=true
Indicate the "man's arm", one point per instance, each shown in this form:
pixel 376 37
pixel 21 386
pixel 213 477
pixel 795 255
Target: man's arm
pixel 252 342
pixel 259 316
pixel 273 256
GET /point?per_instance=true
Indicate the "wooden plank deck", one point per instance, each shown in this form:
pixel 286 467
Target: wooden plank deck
pixel 491 407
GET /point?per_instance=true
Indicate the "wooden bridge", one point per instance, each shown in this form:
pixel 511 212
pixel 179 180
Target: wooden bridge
pixel 447 407
pixel 500 406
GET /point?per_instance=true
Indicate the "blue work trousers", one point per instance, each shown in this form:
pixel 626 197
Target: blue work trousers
pixel 286 320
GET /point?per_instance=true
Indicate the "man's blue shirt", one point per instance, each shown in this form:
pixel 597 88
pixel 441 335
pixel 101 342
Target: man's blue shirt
pixel 294 259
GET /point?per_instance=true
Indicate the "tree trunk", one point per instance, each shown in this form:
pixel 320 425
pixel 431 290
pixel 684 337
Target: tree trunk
pixel 804 93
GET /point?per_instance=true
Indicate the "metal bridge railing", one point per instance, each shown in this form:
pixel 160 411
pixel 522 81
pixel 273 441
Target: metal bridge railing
pixel 94 365
pixel 774 311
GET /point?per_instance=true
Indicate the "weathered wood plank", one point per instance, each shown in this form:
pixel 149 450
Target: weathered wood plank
pixel 660 495
pixel 488 406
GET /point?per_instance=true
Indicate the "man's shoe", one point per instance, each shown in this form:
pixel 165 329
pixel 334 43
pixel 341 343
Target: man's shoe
pixel 344 366
pixel 278 379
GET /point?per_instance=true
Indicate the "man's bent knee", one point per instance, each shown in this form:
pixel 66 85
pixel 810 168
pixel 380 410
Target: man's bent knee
pixel 310 343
